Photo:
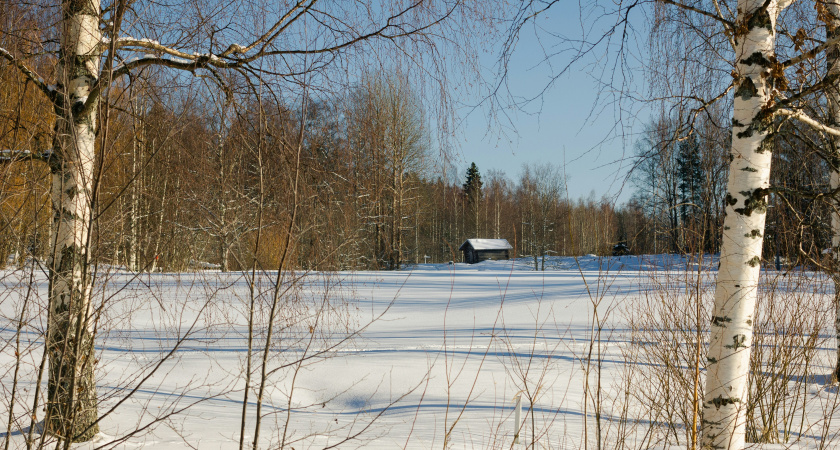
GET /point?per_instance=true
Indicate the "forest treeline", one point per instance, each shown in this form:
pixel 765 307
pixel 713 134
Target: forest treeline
pixel 189 178
pixel 356 180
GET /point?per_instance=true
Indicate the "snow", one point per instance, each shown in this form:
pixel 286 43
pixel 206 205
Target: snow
pixel 488 244
pixel 132 40
pixel 11 155
pixel 10 152
pixel 204 265
pixel 405 359
pixel 133 59
pixel 209 56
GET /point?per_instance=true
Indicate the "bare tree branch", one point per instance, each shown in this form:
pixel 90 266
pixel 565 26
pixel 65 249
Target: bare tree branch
pixel 804 118
pixel 716 16
pixel 32 76
pixel 12 156
pixel 812 53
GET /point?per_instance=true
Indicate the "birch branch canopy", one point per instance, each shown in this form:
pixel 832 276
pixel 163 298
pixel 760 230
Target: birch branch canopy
pixel 295 36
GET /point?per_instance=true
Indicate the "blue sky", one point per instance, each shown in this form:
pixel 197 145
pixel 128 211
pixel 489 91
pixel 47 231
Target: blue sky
pixel 569 124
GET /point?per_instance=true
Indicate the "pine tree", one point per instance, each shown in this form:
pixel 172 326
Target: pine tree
pixel 472 194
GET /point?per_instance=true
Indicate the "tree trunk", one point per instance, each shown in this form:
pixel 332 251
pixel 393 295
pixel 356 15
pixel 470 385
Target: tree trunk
pixel 399 213
pixel 833 99
pixel 393 250
pixel 159 235
pixel 743 229
pixel 223 242
pixel 477 212
pixel 133 219
pixel 71 404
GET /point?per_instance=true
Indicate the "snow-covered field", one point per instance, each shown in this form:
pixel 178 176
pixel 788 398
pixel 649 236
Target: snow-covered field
pixel 430 357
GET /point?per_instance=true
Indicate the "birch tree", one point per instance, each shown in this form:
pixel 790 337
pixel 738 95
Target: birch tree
pixel 745 39
pixel 743 228
pixel 761 95
pixel 832 32
pixel 389 137
pixel 100 44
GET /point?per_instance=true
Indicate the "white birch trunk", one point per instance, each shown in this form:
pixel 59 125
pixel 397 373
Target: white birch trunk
pixel 723 424
pixel 134 209
pixel 158 236
pixel 223 242
pixel 833 100
pixel 71 405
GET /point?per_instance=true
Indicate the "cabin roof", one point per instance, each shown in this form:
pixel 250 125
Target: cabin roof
pixel 487 244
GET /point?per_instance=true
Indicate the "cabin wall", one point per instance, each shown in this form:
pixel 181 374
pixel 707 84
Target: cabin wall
pixel 495 255
pixel 472 256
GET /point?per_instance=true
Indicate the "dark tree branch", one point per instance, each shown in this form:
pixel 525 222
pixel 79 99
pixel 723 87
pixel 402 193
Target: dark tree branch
pixel 13 156
pixel 726 23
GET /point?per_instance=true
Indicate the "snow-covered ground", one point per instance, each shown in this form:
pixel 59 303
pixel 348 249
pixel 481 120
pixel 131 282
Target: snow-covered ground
pixel 429 357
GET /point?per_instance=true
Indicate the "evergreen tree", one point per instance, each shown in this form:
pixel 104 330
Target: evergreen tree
pixel 690 175
pixel 472 194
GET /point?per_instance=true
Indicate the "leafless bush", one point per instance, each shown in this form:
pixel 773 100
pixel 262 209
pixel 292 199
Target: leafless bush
pixel 790 366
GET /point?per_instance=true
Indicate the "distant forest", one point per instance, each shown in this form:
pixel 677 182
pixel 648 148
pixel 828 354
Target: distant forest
pixel 356 181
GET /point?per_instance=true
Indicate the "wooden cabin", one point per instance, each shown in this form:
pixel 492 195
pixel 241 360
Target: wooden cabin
pixel 477 250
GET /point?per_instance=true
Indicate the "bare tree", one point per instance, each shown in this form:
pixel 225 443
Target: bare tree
pixel 389 137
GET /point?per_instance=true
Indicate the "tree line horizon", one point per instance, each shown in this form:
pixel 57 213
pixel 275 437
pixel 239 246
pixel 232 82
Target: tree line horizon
pixel 180 190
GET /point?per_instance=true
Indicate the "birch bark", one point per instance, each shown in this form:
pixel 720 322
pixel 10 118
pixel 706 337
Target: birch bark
pixel 138 136
pixel 71 403
pixel 723 424
pixel 832 94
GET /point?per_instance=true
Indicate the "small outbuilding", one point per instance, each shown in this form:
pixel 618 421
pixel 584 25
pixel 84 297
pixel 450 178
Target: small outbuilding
pixel 477 250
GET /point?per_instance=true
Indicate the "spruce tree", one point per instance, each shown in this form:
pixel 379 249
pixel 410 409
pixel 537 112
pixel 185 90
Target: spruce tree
pixel 472 194
pixel 690 174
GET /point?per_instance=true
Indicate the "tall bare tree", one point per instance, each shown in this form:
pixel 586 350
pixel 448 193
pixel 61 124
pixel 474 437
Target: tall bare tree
pixel 389 136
